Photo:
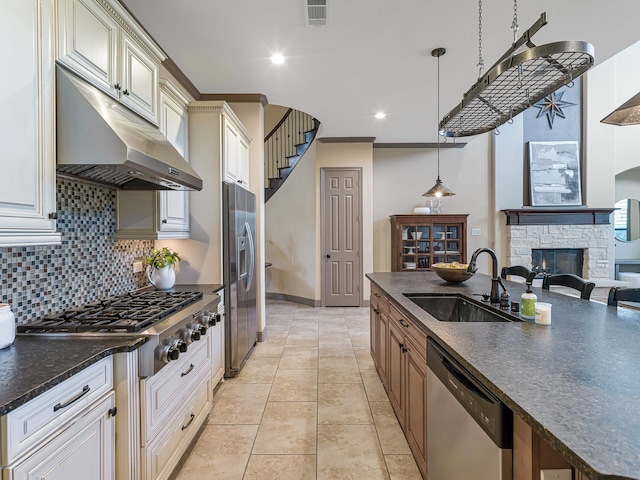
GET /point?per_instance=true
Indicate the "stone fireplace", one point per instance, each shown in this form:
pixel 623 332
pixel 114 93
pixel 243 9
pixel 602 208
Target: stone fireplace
pixel 585 229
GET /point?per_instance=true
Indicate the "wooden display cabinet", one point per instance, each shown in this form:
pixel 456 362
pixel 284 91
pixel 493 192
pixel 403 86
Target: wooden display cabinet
pixel 419 241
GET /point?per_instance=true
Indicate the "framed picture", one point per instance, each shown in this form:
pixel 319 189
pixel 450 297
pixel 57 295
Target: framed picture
pixel 554 173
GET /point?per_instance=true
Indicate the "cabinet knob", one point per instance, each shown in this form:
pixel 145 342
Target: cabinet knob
pixel 53 215
pixel 328 255
pixel 126 92
pixel 117 86
pixel 112 412
pixel 164 220
pixel 239 181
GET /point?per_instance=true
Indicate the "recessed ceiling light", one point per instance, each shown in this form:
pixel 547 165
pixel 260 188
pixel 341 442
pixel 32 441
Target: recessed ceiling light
pixel 277 58
pixel 380 115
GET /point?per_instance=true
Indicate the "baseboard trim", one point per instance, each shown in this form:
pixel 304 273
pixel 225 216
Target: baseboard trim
pixel 302 300
pixel 293 298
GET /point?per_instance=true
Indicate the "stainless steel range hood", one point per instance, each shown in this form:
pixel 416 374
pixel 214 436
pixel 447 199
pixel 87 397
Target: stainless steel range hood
pixel 101 140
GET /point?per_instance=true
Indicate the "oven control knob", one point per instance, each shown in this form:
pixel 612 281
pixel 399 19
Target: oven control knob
pixel 181 345
pixel 214 319
pixel 170 353
pixel 191 335
pixel 201 328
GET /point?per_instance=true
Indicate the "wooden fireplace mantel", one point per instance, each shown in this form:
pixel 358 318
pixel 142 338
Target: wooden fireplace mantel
pixel 558 216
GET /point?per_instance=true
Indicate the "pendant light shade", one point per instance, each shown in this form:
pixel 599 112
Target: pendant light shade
pixel 626 114
pixel 439 189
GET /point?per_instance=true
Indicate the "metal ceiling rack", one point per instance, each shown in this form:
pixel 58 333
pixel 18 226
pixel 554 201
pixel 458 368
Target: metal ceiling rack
pixel 517 81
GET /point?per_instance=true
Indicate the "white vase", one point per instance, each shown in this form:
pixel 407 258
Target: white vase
pixel 7 326
pixel 161 278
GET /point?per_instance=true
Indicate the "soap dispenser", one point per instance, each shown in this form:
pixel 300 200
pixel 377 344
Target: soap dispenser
pixel 528 303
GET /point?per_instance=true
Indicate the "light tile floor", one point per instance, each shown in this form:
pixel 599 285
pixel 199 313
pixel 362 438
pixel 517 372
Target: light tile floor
pixel 308 405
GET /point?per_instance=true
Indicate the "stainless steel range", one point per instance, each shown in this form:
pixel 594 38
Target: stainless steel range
pixel 171 321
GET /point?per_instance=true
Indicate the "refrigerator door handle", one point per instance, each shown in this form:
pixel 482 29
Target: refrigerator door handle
pixel 252 253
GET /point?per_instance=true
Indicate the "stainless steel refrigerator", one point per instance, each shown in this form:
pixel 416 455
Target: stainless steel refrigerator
pixel 239 259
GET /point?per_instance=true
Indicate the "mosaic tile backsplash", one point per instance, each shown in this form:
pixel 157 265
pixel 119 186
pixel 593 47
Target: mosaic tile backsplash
pixel 89 264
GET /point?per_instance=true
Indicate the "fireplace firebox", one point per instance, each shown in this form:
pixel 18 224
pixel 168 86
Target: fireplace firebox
pixel 557 260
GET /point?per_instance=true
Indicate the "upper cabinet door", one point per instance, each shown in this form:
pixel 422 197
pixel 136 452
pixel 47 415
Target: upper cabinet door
pixel 235 153
pixel 174 206
pixel 88 43
pixel 103 44
pixel 139 79
pixel 27 146
pixel 230 159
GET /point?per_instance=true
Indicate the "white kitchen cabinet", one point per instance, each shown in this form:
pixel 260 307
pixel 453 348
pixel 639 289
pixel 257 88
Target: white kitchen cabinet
pixel 103 44
pixel 175 402
pixel 70 428
pixel 217 344
pixel 86 447
pixel 235 153
pixel 162 215
pixel 27 128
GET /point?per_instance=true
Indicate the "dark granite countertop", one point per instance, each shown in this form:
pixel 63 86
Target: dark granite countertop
pixel 207 289
pixel 34 364
pixel 576 382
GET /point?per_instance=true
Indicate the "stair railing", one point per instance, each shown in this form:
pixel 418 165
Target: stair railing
pixel 281 142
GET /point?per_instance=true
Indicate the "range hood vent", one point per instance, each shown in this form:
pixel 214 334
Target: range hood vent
pixel 101 140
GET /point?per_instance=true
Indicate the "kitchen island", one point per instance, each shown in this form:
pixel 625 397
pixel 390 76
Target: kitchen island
pixel 576 383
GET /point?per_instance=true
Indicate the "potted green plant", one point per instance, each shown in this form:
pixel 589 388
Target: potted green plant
pixel 160 271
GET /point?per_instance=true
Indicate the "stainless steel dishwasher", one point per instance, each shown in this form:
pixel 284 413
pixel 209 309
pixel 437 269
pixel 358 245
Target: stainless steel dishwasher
pixel 469 431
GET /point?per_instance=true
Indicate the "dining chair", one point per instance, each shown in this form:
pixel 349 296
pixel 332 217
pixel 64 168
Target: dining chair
pixel 518 271
pixel 617 294
pixel 569 280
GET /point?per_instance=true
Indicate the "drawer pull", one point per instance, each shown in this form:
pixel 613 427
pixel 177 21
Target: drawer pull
pixel 188 371
pixel 377 295
pixel 403 323
pixel 84 391
pixel 184 427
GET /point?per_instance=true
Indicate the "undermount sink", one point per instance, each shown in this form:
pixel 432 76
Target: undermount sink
pixel 454 308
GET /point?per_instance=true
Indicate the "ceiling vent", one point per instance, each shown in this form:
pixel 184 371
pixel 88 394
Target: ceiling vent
pixel 315 13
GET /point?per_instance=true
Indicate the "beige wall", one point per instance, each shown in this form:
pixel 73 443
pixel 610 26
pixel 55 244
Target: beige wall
pixel 293 221
pixel 401 176
pixel 290 232
pixel 272 115
pixel 352 155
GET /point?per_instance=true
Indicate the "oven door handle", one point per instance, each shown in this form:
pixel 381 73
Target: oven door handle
pixel 62 405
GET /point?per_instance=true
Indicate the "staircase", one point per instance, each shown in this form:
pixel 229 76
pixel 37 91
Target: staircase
pixel 284 147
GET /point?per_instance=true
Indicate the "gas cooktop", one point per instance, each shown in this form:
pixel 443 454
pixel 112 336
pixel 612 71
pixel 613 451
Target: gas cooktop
pixel 129 312
pixel 170 321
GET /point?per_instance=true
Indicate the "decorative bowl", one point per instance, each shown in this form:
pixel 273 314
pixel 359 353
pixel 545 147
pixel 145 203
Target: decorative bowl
pixel 452 273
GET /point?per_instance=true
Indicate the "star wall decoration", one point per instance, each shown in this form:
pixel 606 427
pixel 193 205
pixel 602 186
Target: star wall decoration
pixel 552 105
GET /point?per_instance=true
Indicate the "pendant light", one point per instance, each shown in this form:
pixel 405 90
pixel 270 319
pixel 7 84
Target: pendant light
pixel 626 114
pixel 438 190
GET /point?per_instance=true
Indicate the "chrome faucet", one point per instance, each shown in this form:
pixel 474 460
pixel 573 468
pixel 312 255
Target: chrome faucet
pixel 496 281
